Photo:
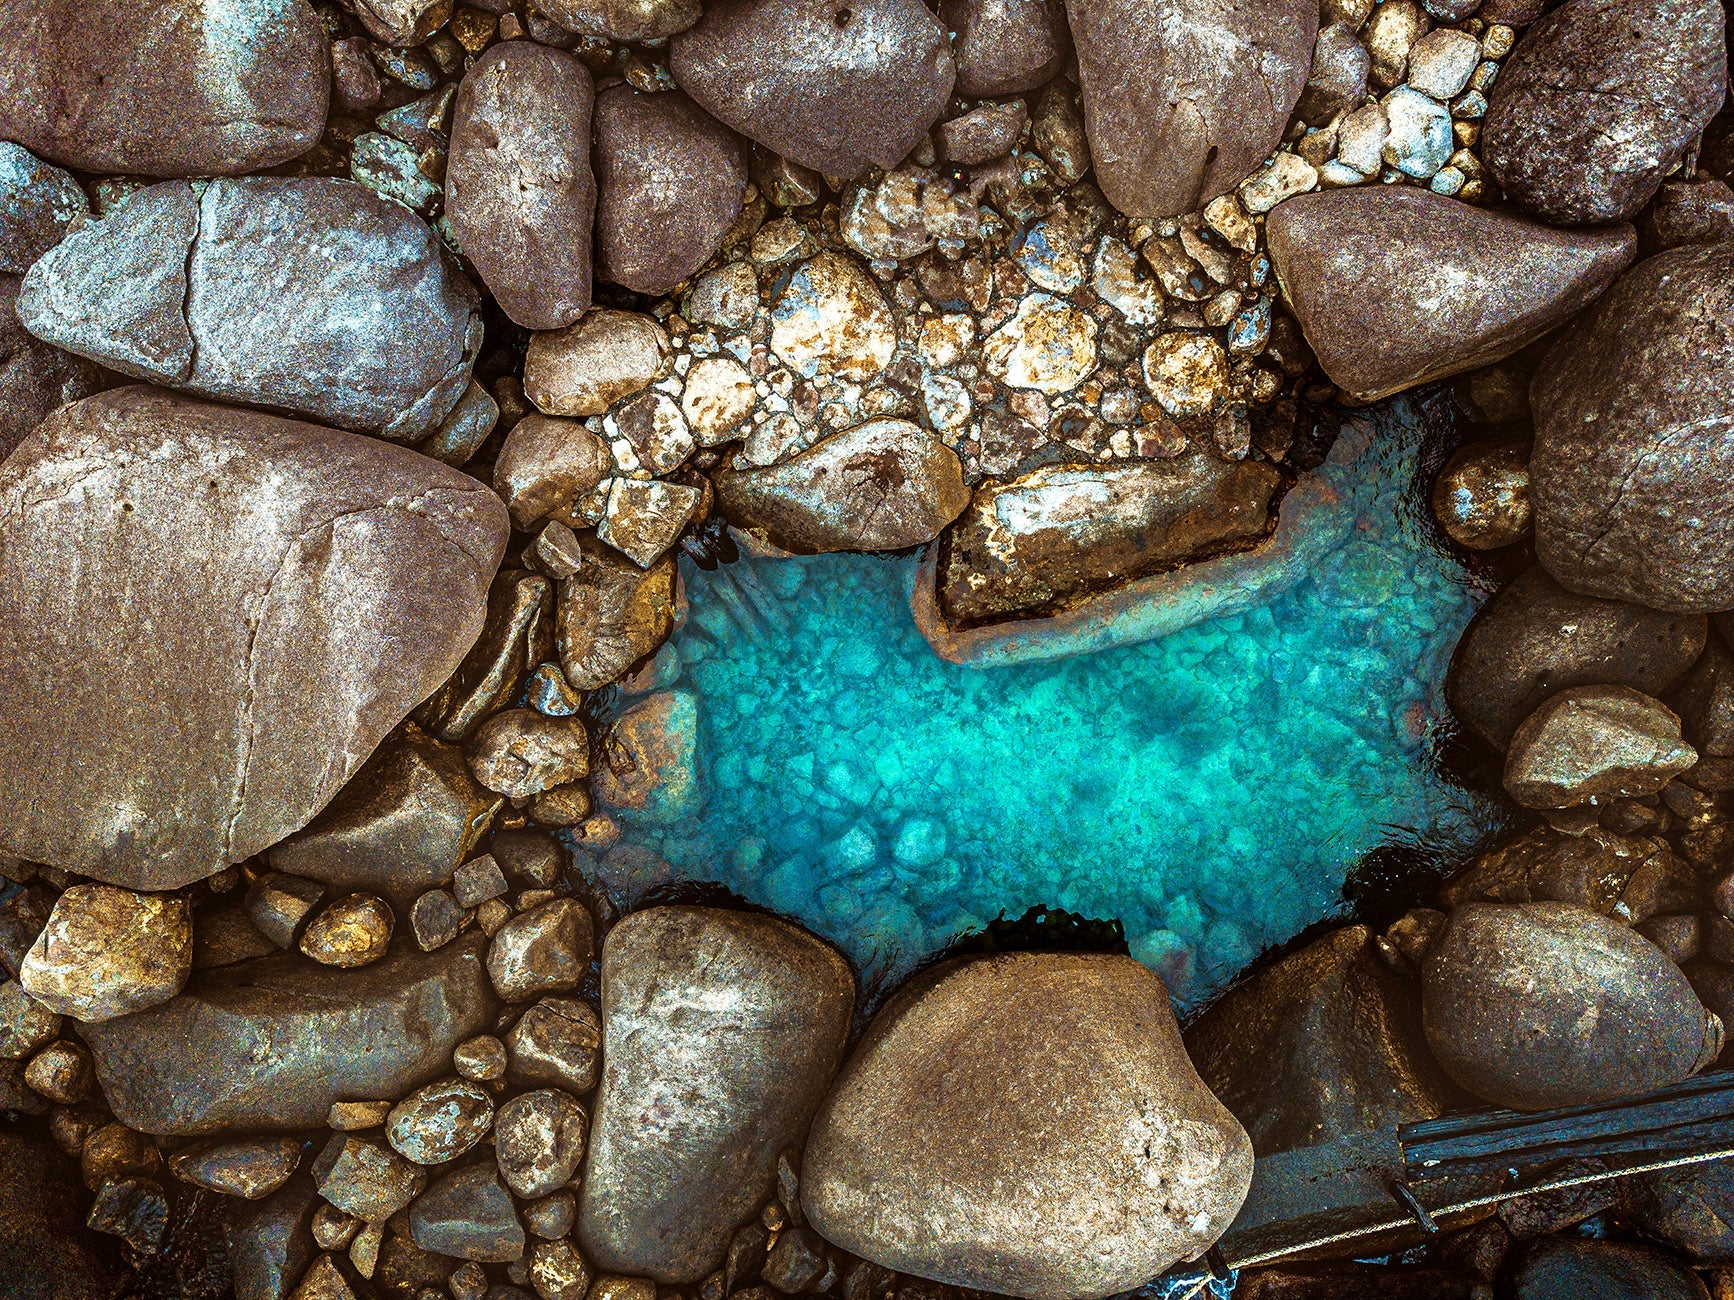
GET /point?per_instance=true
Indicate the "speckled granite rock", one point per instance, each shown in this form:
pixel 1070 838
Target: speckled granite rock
pixel 314 296
pixel 1634 406
pixel 1395 286
pixel 1599 100
pixel 1536 1005
pixel 965 1141
pixel 1064 531
pixel 162 725
pixel 670 183
pixel 1535 639
pixel 37 203
pixel 1183 98
pixel 721 1031
pixel 519 191
pixel 268 1045
pixel 163 89
pixel 880 486
pixel 837 89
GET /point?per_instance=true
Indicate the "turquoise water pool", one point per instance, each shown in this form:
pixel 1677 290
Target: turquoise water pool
pixel 1211 789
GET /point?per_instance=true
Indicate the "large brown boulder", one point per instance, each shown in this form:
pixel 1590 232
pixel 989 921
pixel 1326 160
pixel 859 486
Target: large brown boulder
pixel 1183 98
pixel 519 191
pixel 1395 286
pixel 1066 531
pixel 1538 1005
pixel 880 486
pixel 1634 438
pixel 835 88
pixel 1535 639
pixel 267 1045
pixel 721 1031
pixel 1025 1123
pixel 312 295
pixel 1599 101
pixel 193 599
pixel 161 87
pixel 1326 1044
pixel 1595 745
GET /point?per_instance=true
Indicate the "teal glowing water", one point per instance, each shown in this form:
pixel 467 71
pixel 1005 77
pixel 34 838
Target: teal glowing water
pixel 1211 789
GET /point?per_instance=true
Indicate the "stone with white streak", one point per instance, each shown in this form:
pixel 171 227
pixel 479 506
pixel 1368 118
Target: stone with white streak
pixel 1048 345
pixel 106 952
pixel 832 321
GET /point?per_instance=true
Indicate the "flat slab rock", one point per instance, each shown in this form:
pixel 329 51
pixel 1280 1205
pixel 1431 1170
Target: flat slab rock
pixel 193 598
pixel 267 1045
pixel 313 296
pixel 162 87
pixel 1065 531
pixel 1395 286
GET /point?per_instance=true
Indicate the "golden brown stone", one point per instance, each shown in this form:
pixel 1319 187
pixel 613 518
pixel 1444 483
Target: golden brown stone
pixel 353 931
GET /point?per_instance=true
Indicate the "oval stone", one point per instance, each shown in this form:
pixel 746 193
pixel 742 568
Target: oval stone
pixel 162 87
pixel 838 88
pixel 519 190
pixel 193 598
pixel 670 183
pixel 440 1122
pixel 313 296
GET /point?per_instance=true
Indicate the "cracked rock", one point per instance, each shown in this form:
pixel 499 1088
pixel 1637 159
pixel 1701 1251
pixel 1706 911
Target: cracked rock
pixel 1634 407
pixel 835 88
pixel 880 486
pixel 558 1043
pixel 722 1031
pixel 161 88
pixel 268 1045
pixel 519 191
pixel 1598 102
pixel 312 296
pixel 264 560
pixel 1395 286
pixel 1182 98
pixel 520 752
pixel 670 183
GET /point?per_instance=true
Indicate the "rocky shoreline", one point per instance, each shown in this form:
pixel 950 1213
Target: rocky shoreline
pixel 374 377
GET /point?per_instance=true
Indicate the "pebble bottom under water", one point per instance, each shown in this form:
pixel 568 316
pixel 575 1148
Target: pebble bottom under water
pixel 1211 789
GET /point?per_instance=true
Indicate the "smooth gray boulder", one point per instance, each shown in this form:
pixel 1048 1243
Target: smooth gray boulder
pixel 162 87
pixel 312 296
pixel 1395 286
pixel 193 598
pixel 721 1031
pixel 1184 98
pixel 267 1045
pixel 838 88
pixel 1634 438
pixel 1598 102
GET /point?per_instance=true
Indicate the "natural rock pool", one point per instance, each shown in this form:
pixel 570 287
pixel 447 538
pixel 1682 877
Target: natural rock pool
pixel 1210 790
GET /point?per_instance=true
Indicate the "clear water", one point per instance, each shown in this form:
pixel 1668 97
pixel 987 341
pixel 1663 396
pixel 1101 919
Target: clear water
pixel 1211 789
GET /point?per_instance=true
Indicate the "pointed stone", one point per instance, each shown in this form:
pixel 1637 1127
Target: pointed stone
pixel 311 295
pixel 468 1215
pixel 838 88
pixel 1395 286
pixel 1184 98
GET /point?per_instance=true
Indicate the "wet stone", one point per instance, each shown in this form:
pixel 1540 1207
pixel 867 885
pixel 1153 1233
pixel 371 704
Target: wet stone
pixel 366 1178
pixel 468 1215
pixel 353 931
pixel 837 90
pixel 611 614
pixel 1537 1005
pixel 439 1122
pixel 1594 744
pixel 539 1141
pixel 647 759
pixel 1481 497
pixel 115 1151
pixel 331 1277
pixel 402 825
pixel 588 366
pixel 543 950
pixel 556 552
pixel 1005 46
pixel 276 320
pixel 278 904
pixel 163 91
pixel 533 858
pixel 401 22
pixel 557 1042
pixel 251 1170
pixel 38 201
pixel 521 752
pixel 1617 1270
pixel 107 952
pixel 670 183
pixel 643 520
pixel 481 1058
pixel 520 195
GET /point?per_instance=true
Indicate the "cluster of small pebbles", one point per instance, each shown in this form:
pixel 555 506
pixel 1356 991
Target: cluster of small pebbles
pixel 365 370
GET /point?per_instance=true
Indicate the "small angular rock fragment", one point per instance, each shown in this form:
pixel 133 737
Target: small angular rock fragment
pixel 278 904
pixel 543 950
pixel 366 1178
pixel 558 1043
pixel 251 1170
